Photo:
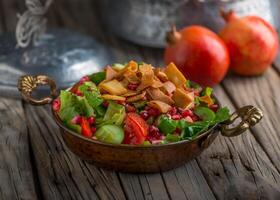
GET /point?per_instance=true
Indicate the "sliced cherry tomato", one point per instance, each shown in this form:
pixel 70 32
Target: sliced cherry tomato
pixel 135 128
pixel 86 129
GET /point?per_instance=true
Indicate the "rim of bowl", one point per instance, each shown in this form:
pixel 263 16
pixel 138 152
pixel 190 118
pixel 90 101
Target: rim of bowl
pixel 69 131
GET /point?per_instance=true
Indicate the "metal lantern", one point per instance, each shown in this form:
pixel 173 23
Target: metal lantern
pixel 146 22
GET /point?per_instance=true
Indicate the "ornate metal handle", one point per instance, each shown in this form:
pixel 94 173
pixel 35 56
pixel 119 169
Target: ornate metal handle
pixel 27 84
pixel 249 115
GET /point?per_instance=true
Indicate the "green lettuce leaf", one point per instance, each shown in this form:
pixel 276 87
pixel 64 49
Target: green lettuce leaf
pixel 207 91
pixel 115 114
pixel 166 125
pixel 222 115
pixel 92 94
pixel 69 106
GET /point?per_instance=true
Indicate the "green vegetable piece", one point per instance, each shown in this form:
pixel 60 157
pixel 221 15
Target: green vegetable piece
pixel 167 125
pixel 146 143
pixel 196 101
pixel 69 106
pixel 115 114
pixel 100 111
pixel 194 85
pixel 74 127
pixel 207 91
pixel 188 83
pixel 118 66
pixel 110 134
pixel 164 142
pixel 222 115
pixel 86 109
pixel 192 130
pixel 97 77
pixel 172 138
pixel 204 113
pixel 92 94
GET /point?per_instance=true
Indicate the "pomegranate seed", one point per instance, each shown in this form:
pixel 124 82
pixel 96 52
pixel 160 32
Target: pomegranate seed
pixel 187 113
pixel 78 93
pixel 176 117
pixel 172 111
pixel 194 118
pixel 105 104
pixel 154 134
pixel 177 131
pixel 153 111
pixel 91 120
pixel 144 114
pixel 93 129
pixel 84 79
pixel 130 108
pixel 56 105
pixel 214 107
pixel 76 120
pixel 132 86
pixel 153 129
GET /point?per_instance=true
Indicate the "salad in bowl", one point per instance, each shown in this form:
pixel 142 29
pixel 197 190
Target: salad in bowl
pixel 134 117
pixel 138 104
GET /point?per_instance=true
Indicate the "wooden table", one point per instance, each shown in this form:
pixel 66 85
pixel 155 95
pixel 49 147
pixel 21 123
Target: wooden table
pixel 36 164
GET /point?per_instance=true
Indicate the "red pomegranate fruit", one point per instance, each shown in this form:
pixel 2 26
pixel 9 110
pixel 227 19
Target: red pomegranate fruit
pixel 199 53
pixel 252 43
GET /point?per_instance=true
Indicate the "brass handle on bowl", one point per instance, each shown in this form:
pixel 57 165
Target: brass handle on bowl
pixel 27 84
pixel 249 115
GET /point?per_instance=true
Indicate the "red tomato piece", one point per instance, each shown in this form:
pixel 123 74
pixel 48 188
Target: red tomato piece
pixel 135 128
pixel 75 88
pixel 86 129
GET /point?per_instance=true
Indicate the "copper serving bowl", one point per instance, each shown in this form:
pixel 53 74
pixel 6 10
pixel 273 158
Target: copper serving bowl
pixel 131 158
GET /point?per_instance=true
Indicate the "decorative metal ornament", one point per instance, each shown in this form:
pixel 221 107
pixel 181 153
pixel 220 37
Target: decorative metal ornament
pixel 63 55
pixel 32 23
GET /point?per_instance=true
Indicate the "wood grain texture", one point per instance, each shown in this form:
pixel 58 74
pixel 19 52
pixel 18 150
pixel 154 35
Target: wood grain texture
pixel 16 176
pixel 238 167
pixel 263 92
pixel 244 167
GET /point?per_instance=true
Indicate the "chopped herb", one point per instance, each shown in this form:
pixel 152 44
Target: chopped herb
pixel 97 77
pixel 167 125
pixel 188 83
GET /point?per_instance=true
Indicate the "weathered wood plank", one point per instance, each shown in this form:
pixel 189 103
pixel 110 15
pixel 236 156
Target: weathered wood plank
pixel 238 167
pixel 16 178
pixel 189 182
pixel 217 164
pixel 263 92
pixel 61 174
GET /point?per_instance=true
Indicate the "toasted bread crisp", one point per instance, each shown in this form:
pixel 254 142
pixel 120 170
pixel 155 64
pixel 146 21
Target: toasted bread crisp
pixel 183 99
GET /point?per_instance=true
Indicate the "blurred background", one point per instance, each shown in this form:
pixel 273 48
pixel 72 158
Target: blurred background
pixel 85 35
